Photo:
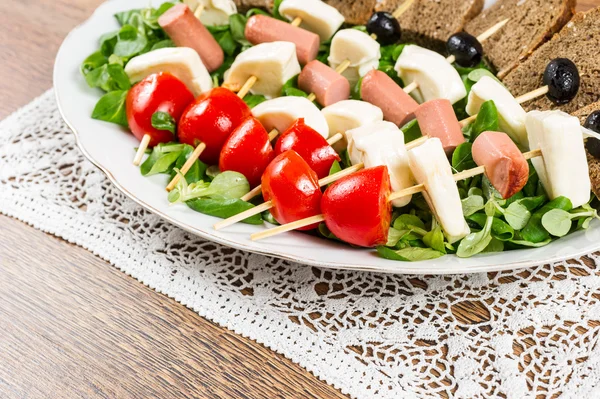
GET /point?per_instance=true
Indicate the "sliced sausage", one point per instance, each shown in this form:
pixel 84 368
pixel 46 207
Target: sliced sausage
pixel 437 119
pixel 263 29
pixel 328 86
pixel 505 165
pixel 379 89
pixel 186 30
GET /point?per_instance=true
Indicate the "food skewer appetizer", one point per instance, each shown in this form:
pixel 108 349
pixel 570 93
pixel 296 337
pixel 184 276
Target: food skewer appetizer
pixel 497 156
pixel 305 146
pixel 182 63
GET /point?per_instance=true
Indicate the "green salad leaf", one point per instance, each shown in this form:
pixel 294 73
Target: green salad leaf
pixel 224 208
pixel 534 231
pixel 111 108
pixel 410 254
pixel 462 157
pixel 411 131
pixel 163 121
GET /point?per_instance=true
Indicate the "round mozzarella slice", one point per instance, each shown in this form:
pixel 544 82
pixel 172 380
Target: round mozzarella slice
pixel 360 49
pixel 317 16
pixel 272 64
pixel 182 62
pixel 435 76
pixel 280 113
pixel 214 12
pixel 563 168
pixel 382 143
pixel 510 113
pixel 350 114
pixel 430 167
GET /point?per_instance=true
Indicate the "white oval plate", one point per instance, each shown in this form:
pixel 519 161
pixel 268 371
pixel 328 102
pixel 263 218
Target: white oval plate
pixel 111 149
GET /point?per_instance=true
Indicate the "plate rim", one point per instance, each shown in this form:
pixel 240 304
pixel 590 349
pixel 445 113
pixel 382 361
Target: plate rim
pixel 408 268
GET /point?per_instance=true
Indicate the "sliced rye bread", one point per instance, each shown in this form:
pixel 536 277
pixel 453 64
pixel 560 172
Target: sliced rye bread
pixel 531 23
pixel 355 12
pixel 593 162
pixel 245 5
pixel 579 41
pixel 430 23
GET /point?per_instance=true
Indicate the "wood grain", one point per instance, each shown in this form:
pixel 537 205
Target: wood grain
pixel 72 326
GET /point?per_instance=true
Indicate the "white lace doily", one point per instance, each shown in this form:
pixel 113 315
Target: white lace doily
pixel 531 333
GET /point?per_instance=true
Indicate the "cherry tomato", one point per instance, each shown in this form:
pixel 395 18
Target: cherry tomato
pixel 293 187
pixel 356 208
pixel 248 151
pixel 210 120
pixel 158 92
pixel 310 145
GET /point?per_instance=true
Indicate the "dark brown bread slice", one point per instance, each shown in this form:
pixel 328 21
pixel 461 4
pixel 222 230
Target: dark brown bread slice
pixel 593 163
pixel 430 23
pixel 532 22
pixel 579 41
pixel 245 5
pixel 355 12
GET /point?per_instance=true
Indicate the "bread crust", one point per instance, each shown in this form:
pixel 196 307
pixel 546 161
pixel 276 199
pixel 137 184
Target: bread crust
pixel 429 23
pixel 593 163
pixel 579 41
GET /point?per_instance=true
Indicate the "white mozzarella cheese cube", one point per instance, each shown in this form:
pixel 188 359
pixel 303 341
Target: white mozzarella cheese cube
pixel 182 62
pixel 382 143
pixel 430 167
pixel 510 113
pixel 349 114
pixel 435 76
pixel 360 49
pixel 272 64
pixel 317 16
pixel 280 113
pixel 563 167
pixel 214 12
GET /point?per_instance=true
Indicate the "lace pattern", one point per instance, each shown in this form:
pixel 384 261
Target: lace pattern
pixel 529 333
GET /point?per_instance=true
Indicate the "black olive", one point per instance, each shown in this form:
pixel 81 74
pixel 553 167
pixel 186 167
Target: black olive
pixel 592 145
pixel 593 122
pixel 465 48
pixel 562 78
pixel 385 27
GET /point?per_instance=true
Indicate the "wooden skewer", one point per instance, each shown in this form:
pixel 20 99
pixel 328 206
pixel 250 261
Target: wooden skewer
pixel 199 10
pixel 141 150
pixel 403 8
pixel 394 196
pixel 533 94
pixel 296 22
pixel 481 38
pixel 187 166
pixel 268 205
pixel 522 99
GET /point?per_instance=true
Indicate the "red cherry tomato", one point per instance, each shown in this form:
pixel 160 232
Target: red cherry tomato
pixel 293 187
pixel 210 120
pixel 356 208
pixel 157 92
pixel 248 151
pixel 310 145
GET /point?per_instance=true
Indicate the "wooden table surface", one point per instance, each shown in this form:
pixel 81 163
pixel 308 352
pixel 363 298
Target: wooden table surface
pixel 71 325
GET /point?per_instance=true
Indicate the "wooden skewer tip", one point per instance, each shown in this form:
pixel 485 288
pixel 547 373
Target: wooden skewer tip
pixel 137 160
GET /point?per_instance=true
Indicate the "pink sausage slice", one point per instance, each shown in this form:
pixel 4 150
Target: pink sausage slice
pixel 437 119
pixel 380 90
pixel 505 166
pixel 263 29
pixel 328 86
pixel 186 30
